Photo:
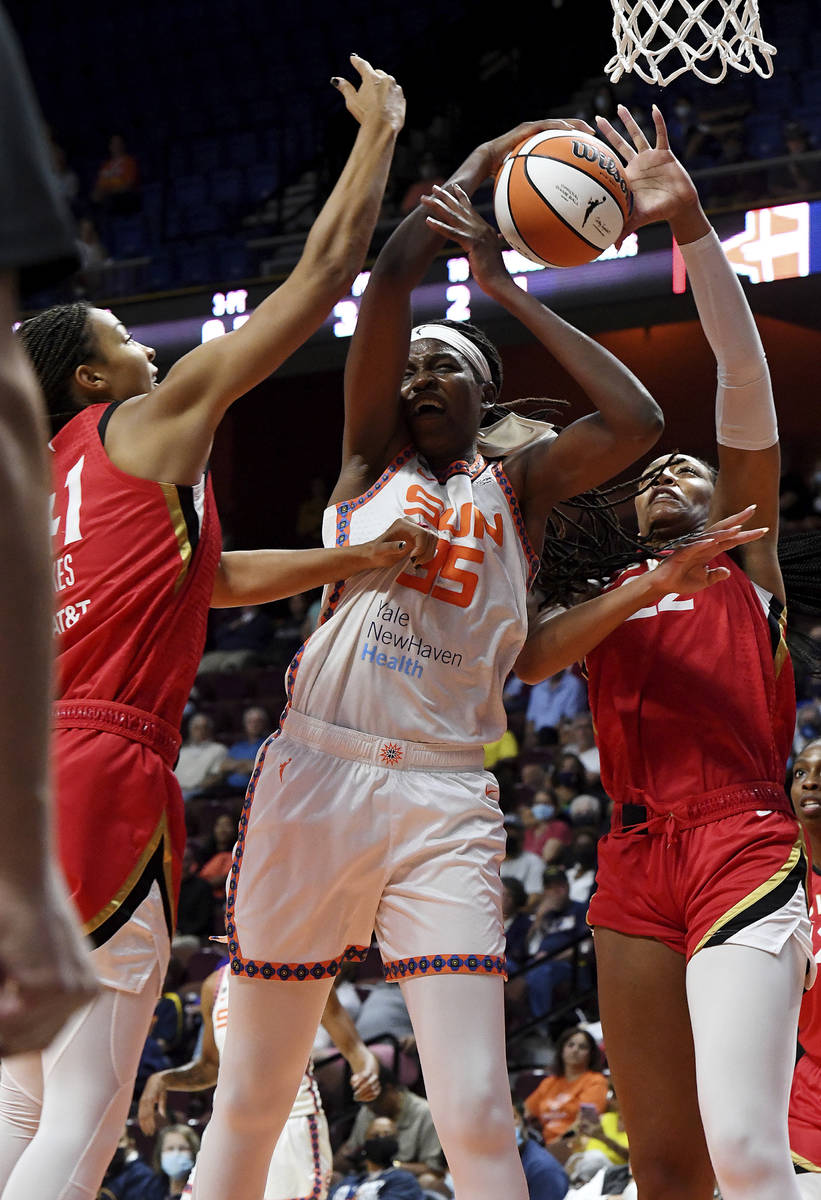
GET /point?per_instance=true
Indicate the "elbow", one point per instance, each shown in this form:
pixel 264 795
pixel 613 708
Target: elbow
pixel 648 425
pixel 526 666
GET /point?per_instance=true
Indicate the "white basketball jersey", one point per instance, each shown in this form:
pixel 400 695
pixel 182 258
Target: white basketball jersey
pixel 423 653
pixel 307 1101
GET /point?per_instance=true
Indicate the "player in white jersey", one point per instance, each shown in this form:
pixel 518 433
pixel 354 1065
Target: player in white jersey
pixel 370 808
pixel 302 1160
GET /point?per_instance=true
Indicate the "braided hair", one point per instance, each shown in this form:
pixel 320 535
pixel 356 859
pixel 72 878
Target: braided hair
pixel 58 341
pixel 586 545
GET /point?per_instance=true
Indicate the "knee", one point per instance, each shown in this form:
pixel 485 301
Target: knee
pixel 461 1134
pixel 670 1176
pixel 747 1164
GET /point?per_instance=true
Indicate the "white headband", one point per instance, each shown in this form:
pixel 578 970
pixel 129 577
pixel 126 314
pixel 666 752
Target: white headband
pixel 457 341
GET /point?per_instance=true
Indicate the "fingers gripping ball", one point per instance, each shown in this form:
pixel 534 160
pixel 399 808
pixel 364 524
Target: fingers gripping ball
pixel 561 198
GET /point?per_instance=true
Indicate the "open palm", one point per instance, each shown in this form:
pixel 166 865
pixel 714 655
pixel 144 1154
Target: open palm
pixel 661 187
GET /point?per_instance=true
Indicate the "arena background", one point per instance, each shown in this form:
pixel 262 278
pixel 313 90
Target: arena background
pixel 238 136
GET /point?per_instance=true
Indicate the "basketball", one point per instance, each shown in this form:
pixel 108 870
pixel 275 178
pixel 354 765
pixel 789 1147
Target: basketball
pixel 561 198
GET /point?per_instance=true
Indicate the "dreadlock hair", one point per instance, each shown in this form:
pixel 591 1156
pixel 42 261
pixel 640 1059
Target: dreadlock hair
pixel 58 341
pixel 586 544
pixel 482 343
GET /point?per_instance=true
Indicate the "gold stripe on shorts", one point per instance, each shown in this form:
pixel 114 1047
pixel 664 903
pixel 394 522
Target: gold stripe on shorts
pixel 767 898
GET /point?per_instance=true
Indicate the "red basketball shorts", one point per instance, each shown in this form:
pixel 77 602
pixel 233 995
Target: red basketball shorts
pixel 741 878
pixel 805 1114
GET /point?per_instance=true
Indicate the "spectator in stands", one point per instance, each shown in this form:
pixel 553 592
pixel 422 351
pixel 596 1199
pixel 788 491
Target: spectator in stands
pixel 290 630
pixel 798 177
pixel 383 1012
pixel 580 740
pixel 218 853
pixel 519 863
pixel 381 1174
pixel 200 758
pixel 67 179
pixel 546 1179
pixel 562 695
pixel 239 636
pixel 418 1149
pixel 516 921
pixel 569 780
pixel 93 257
pixel 547 833
pixel 127 1177
pixel 502 750
pixel 533 778
pixel 195 910
pixel 557 1101
pixel 175 1154
pixel 556 935
pixel 601 1141
pixel 581 862
pixel 116 188
pixel 169 1016
pixel 236 769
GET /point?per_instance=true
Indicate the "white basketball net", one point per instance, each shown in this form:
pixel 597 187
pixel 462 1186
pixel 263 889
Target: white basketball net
pixel 661 40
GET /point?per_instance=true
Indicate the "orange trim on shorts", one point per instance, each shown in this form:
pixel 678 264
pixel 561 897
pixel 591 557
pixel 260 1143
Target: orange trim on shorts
pixel 446 964
pixel 288 972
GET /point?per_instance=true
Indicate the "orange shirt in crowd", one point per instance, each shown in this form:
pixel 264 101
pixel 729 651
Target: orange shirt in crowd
pixel 557 1099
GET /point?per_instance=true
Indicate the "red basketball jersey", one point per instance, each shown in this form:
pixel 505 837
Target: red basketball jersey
pixel 134 568
pixel 694 695
pixel 809 1019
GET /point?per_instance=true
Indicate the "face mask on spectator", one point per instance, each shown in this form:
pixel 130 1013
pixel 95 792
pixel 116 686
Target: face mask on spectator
pixel 543 812
pixel 176 1163
pixel 381 1150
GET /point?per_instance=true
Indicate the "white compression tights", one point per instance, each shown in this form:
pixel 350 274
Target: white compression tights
pixel 744 1012
pixel 63 1111
pixel 459 1026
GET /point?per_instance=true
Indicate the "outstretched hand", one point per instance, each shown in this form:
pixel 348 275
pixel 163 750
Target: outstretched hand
pixel 451 213
pixel 497 149
pixel 687 570
pixel 378 97
pixel 662 189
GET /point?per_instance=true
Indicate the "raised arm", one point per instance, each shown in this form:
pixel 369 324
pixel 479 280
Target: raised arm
pixel 557 640
pixel 379 350
pixel 167 433
pixel 596 447
pixel 261 576
pixel 746 427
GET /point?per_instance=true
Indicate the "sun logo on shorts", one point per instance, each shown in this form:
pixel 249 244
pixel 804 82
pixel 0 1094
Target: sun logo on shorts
pixel 390 754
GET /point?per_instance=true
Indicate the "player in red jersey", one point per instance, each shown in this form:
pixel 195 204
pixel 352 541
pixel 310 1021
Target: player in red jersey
pixel 805 1096
pixel 137 564
pixel 701 931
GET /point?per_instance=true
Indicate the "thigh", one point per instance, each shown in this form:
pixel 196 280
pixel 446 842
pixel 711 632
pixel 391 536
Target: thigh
pixel 309 864
pixel 441 908
pixel 649 1045
pixel 744 1010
